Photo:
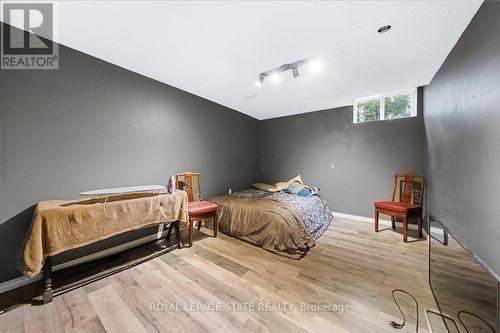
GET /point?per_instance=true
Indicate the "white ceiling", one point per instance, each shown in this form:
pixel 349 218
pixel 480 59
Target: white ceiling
pixel 216 49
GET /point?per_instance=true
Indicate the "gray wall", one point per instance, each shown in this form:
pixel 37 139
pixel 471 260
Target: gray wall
pixel 462 125
pixel 365 156
pixel 91 125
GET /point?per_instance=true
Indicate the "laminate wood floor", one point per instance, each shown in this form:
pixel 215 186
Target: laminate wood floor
pixel 227 285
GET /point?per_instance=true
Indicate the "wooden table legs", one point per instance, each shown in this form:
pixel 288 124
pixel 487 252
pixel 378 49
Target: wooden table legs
pixel 48 292
pixel 48 288
pixel 176 226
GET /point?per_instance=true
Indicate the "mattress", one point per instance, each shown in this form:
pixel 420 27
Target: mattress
pixel 278 222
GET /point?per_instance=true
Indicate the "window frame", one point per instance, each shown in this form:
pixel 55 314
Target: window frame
pixel 413 92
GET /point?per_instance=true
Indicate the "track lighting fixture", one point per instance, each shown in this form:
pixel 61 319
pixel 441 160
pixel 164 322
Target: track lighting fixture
pixel 274 74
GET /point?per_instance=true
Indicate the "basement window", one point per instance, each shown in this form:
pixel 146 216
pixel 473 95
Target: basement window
pixel 400 104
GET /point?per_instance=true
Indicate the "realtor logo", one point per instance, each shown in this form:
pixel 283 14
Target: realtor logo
pixel 27 35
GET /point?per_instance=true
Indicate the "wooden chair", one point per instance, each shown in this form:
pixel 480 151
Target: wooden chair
pixel 198 210
pixel 407 198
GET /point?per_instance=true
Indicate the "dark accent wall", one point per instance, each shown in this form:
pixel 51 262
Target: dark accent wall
pixel 365 157
pixel 462 125
pixel 91 124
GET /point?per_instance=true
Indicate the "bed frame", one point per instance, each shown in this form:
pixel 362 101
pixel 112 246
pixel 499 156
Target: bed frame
pixel 49 292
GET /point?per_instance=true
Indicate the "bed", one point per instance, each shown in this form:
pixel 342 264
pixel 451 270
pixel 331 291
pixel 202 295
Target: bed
pixel 279 222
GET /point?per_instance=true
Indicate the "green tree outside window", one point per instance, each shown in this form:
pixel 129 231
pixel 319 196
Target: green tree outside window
pixel 397 106
pixel 369 110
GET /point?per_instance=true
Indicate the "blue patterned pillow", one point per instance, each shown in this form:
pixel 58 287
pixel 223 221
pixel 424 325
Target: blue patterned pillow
pixel 308 191
pixel 294 188
pixel 301 189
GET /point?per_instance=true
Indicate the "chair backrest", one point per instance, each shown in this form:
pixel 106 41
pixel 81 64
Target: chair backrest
pixel 409 188
pixel 189 182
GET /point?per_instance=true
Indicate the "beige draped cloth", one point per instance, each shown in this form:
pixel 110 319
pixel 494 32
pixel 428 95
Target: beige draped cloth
pixel 59 226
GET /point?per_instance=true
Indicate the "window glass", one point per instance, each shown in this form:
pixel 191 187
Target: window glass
pixel 368 110
pixel 402 104
pixel 398 106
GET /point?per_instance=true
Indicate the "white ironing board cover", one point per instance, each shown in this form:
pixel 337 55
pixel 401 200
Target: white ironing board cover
pixel 107 192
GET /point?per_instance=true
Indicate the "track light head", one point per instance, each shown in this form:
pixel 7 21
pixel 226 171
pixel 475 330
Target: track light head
pixel 275 77
pixel 315 64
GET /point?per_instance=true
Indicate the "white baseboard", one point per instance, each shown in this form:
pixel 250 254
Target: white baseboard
pixel 17 283
pixel 24 280
pixel 362 218
pixel 371 220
